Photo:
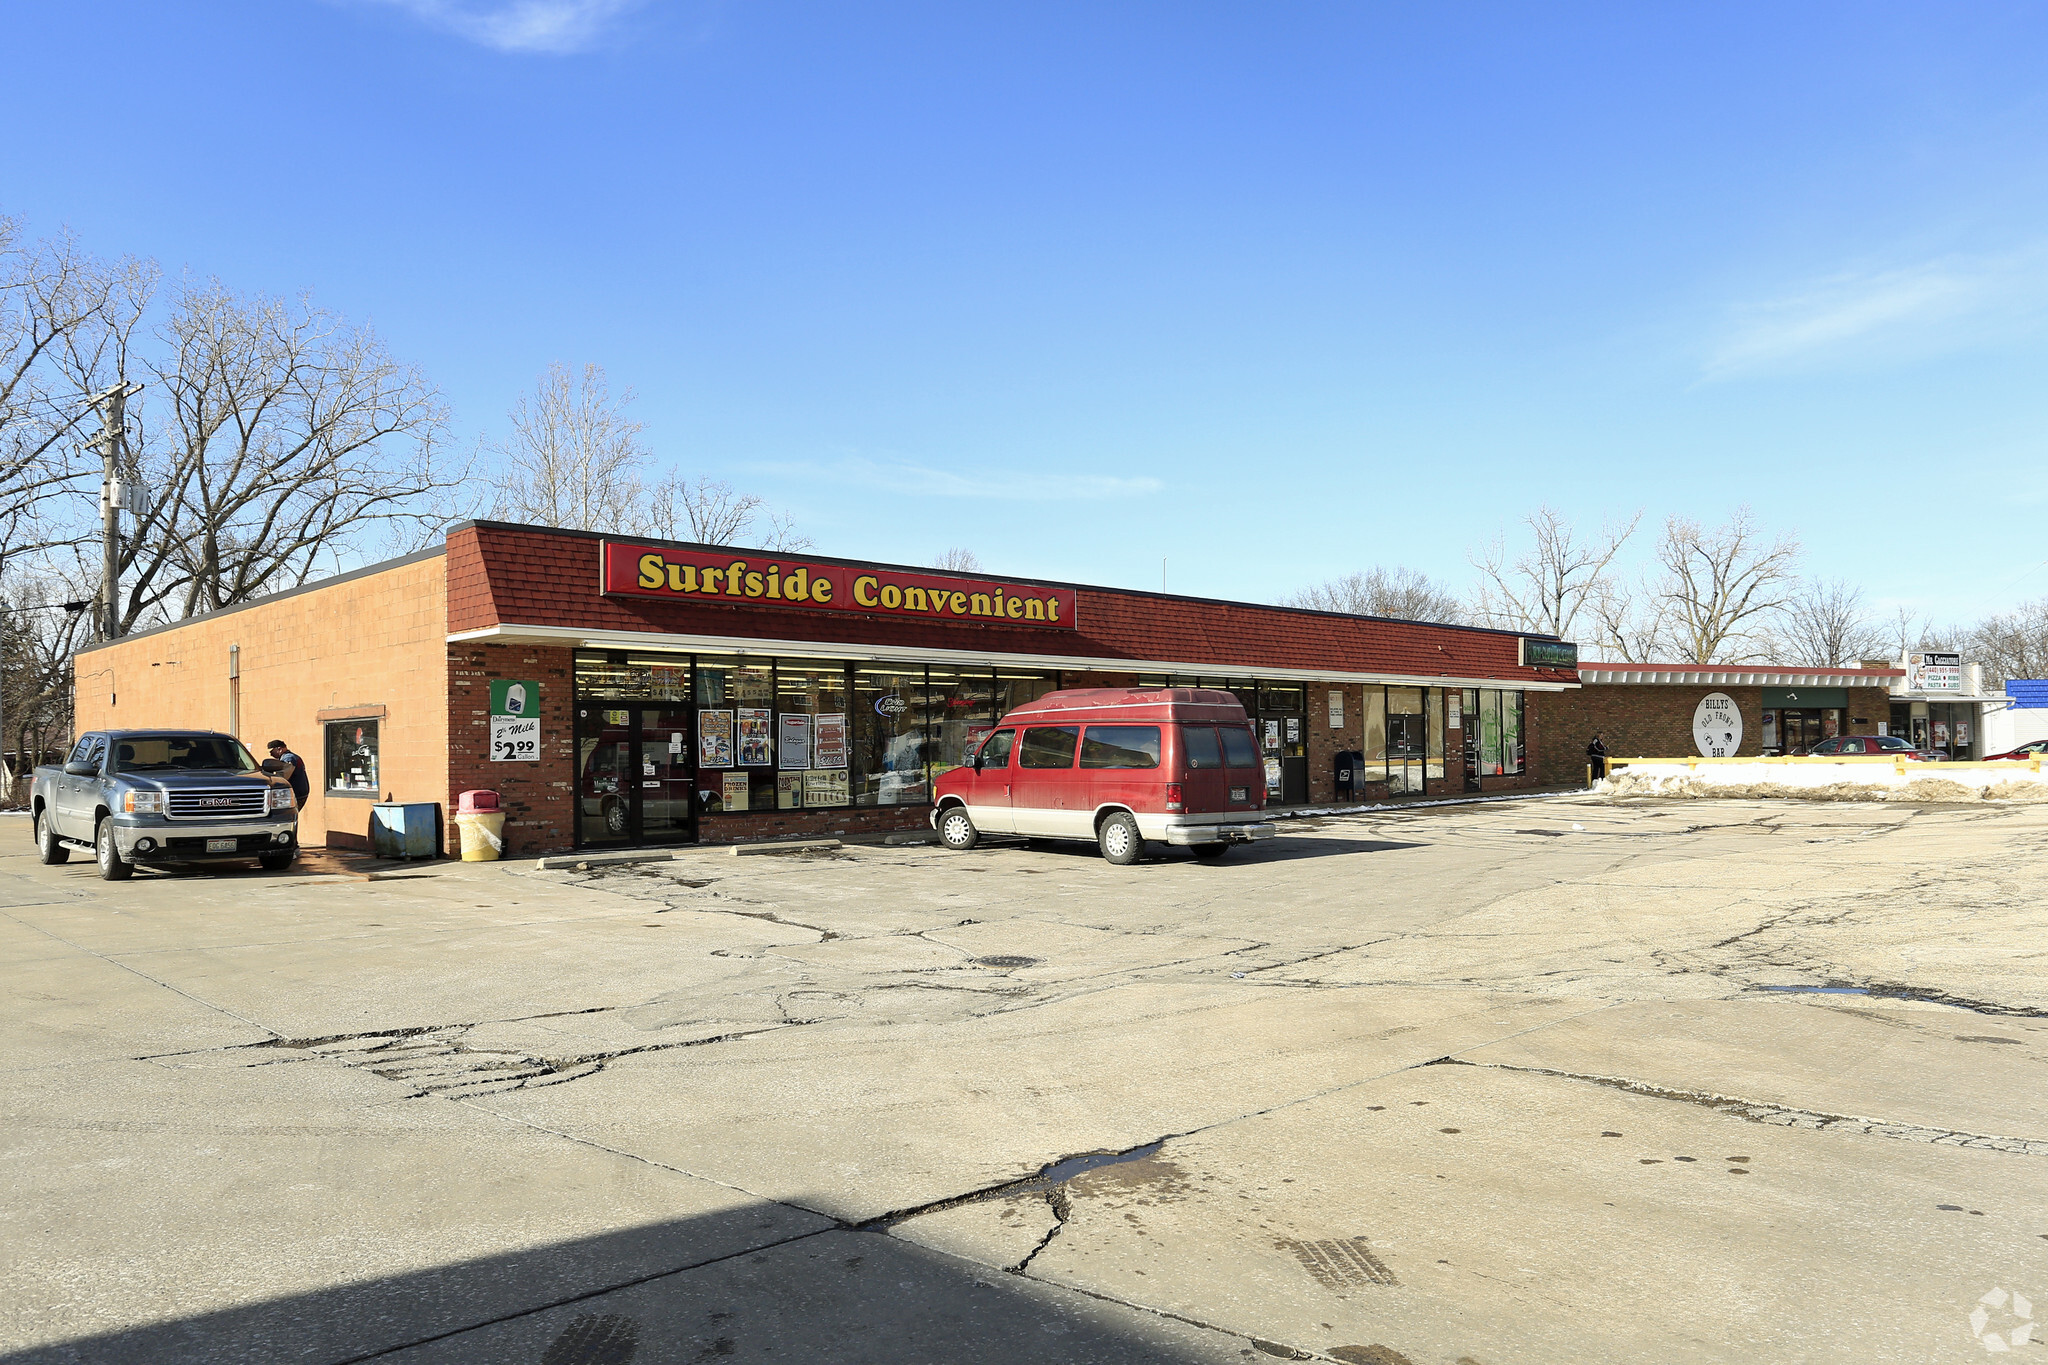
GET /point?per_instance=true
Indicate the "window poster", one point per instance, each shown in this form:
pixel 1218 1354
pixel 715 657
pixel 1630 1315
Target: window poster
pixel 789 789
pixel 714 739
pixel 1962 733
pixel 795 742
pixel 1293 730
pixel 829 742
pixel 754 736
pixel 1941 734
pixel 1336 709
pixel 1272 734
pixel 1454 702
pixel 826 787
pixel 736 787
pixel 1273 777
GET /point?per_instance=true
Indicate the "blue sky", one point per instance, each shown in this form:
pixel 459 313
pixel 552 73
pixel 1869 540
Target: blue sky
pixel 1275 292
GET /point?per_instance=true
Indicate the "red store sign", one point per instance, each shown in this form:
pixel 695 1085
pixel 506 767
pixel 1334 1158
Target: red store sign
pixel 673 575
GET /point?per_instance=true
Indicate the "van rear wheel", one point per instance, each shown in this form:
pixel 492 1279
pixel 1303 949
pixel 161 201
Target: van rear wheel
pixel 957 831
pixel 1120 840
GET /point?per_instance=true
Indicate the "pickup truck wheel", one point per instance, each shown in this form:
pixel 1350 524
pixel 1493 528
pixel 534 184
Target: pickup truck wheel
pixel 112 869
pixel 1121 843
pixel 957 831
pixel 48 850
pixel 1211 852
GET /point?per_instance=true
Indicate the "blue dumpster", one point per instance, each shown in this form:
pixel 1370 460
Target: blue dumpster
pixel 405 829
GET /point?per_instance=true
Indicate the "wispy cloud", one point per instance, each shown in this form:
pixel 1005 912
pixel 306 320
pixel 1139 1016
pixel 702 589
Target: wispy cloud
pixel 549 26
pixel 1886 315
pixel 902 476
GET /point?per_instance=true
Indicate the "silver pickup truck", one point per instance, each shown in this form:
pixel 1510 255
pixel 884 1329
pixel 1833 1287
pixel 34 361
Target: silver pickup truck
pixel 163 796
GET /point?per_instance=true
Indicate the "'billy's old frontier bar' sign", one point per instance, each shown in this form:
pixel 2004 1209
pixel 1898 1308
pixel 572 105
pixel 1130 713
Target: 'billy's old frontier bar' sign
pixel 729 580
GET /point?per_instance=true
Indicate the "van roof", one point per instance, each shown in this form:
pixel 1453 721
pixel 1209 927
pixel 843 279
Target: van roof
pixel 1133 703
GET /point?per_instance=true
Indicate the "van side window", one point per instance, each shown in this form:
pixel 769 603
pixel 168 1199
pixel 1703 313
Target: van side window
pixel 1198 746
pixel 1121 746
pixel 1238 749
pixel 1048 746
pixel 995 753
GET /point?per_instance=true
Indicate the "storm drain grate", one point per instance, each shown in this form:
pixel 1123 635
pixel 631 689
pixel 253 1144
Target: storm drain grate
pixel 1339 1262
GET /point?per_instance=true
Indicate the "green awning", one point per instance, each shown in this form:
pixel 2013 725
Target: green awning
pixel 1804 698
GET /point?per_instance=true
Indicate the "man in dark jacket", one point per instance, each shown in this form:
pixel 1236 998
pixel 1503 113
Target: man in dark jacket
pixel 1596 757
pixel 302 786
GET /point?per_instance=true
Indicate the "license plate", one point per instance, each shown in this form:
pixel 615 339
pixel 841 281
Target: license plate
pixel 1240 794
pixel 220 845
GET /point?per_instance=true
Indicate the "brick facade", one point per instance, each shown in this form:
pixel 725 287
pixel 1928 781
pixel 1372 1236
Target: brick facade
pixel 1654 720
pixel 376 644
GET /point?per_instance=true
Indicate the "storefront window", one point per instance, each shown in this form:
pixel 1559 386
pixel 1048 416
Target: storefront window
pixel 1511 751
pixel 812 749
pixel 1374 722
pixel 352 758
pixel 889 737
pixel 735 733
pixel 1407 739
pixel 960 708
pixel 662 677
pixel 1435 771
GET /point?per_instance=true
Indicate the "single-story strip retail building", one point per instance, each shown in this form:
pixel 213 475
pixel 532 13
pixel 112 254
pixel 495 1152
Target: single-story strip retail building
pixel 618 691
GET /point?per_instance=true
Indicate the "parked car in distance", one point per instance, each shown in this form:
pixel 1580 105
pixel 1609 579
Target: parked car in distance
pixel 163 796
pixel 2033 748
pixel 1875 746
pixel 1114 766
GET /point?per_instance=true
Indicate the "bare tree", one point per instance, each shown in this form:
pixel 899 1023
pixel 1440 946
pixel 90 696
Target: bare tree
pixel 287 436
pixel 958 560
pixel 65 320
pixel 575 459
pixel 1824 626
pixel 1403 594
pixel 38 636
pixel 1631 621
pixel 1721 588
pixel 2013 644
pixel 1545 587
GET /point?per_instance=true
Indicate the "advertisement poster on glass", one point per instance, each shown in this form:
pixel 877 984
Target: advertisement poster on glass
pixel 789 791
pixel 831 741
pixel 795 742
pixel 826 787
pixel 753 722
pixel 736 788
pixel 714 739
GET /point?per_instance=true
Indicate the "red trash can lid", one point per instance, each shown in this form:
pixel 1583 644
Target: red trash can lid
pixel 476 802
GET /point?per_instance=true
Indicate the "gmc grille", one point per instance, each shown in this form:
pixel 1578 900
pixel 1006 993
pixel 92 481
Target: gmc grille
pixel 212 801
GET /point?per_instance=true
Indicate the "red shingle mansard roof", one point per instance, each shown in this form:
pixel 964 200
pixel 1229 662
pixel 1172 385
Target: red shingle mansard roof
pixel 500 575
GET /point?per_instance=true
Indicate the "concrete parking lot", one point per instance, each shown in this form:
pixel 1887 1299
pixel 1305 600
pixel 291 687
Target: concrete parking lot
pixel 1536 1080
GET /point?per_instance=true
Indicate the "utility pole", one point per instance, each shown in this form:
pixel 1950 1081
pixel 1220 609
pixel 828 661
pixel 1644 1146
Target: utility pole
pixel 114 495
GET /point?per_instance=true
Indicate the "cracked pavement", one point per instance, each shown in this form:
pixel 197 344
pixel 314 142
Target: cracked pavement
pixel 1537 1080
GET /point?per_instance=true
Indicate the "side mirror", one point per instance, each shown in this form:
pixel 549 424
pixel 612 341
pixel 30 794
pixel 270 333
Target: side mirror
pixel 82 768
pixel 977 760
pixel 271 766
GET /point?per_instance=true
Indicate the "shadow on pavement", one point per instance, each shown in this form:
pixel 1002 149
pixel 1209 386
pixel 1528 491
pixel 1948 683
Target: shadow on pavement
pixel 672 1292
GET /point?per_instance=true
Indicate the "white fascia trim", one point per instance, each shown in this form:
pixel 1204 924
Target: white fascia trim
pixel 718 644
pixel 1724 677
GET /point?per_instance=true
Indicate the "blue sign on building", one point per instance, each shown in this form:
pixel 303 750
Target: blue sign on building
pixel 2027 693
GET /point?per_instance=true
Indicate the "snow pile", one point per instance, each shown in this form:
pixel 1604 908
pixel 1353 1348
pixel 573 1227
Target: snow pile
pixel 1819 780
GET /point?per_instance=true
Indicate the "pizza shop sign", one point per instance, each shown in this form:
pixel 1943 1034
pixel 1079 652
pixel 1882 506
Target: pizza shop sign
pixel 726 580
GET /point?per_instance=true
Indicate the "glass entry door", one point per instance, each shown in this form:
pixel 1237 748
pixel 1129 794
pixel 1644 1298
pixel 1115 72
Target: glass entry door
pixel 636 773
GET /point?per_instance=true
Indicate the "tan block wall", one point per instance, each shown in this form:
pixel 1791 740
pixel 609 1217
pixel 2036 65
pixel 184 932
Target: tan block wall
pixel 377 640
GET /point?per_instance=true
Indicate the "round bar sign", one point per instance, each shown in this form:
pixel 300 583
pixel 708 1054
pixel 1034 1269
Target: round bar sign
pixel 1717 726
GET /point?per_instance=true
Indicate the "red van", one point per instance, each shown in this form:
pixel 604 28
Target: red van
pixel 1116 766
